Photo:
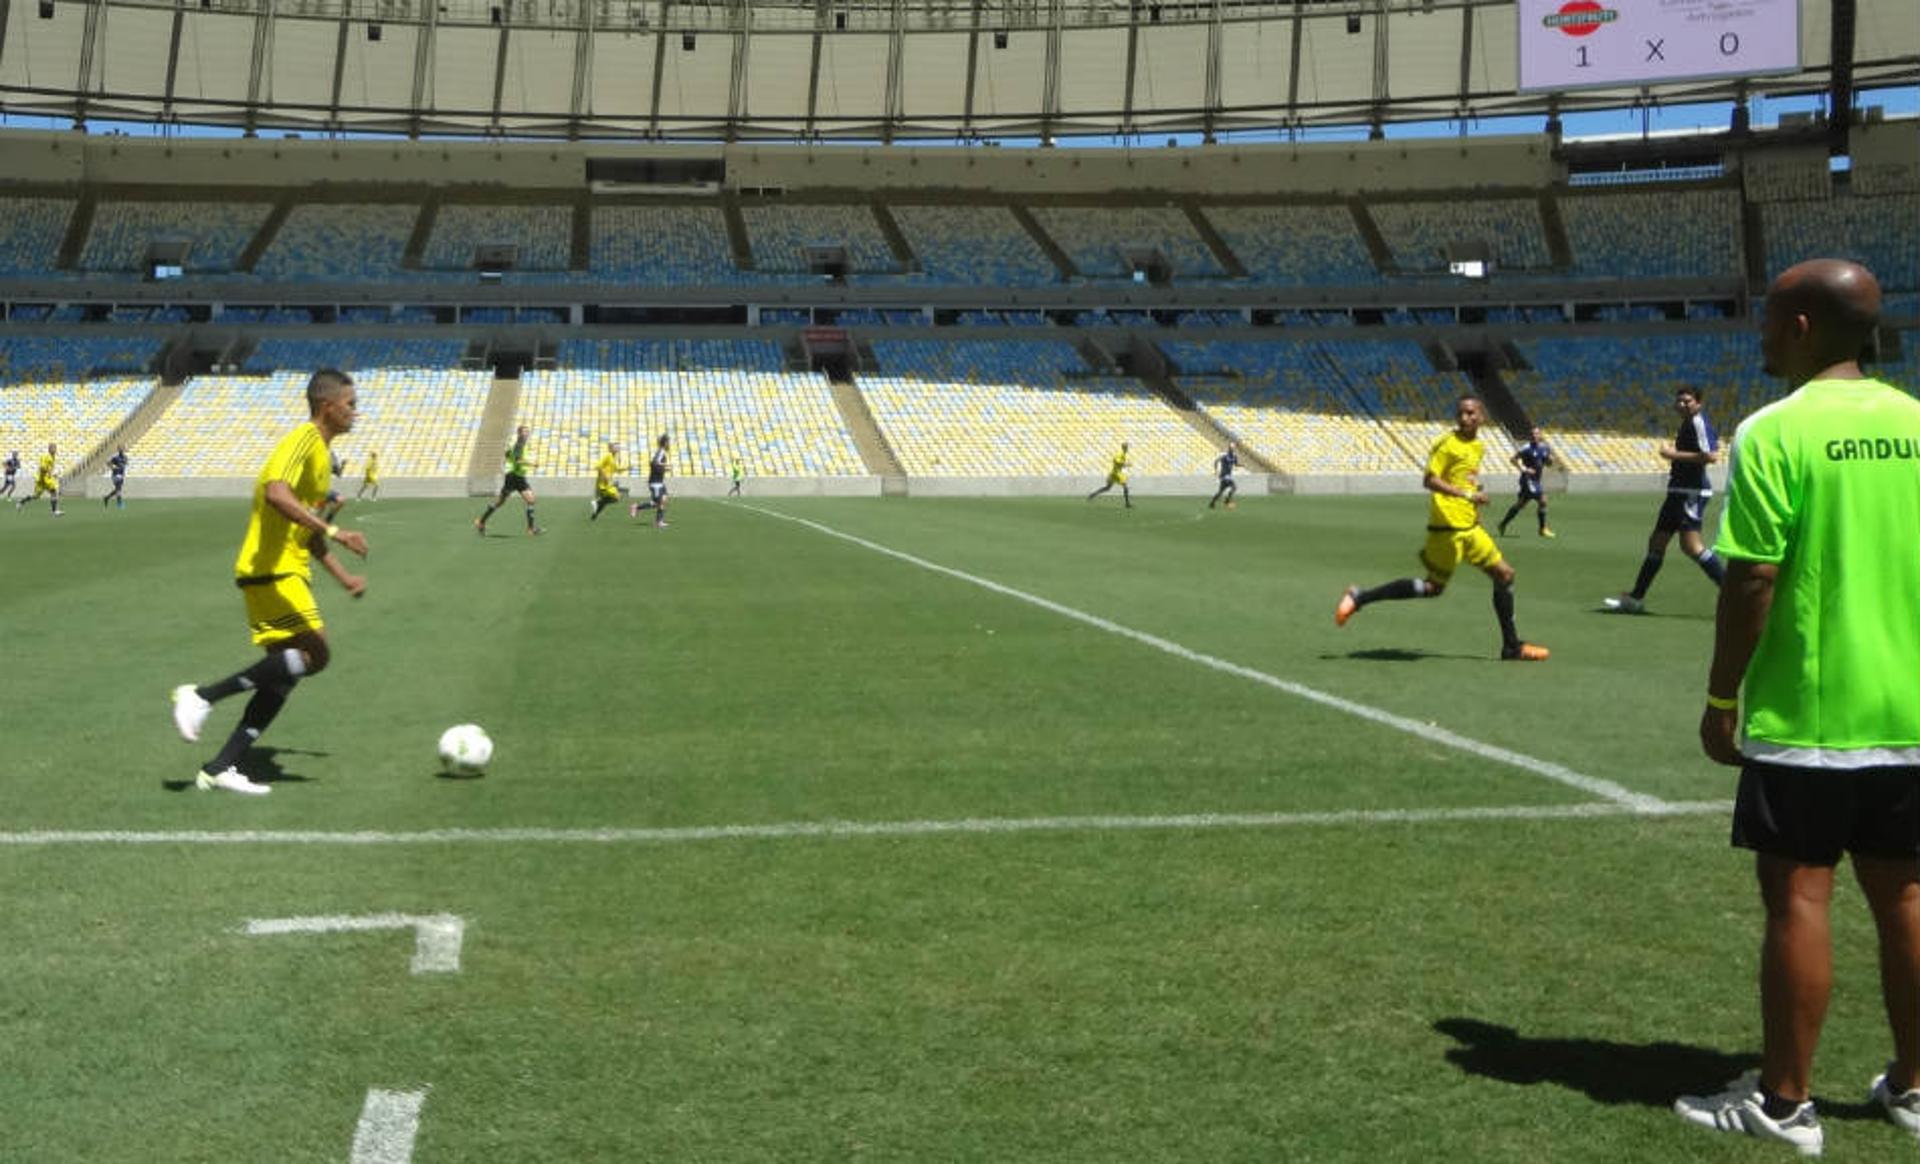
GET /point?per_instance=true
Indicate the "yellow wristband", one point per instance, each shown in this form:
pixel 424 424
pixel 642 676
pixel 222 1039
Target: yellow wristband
pixel 1719 704
pixel 332 531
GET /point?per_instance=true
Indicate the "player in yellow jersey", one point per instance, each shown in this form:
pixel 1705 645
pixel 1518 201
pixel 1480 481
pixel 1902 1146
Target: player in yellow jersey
pixel 1454 533
pixel 284 536
pixel 370 476
pixel 605 492
pixel 1117 475
pixel 45 484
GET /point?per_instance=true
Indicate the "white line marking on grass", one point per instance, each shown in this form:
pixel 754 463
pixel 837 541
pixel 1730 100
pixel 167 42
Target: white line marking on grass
pixel 389 1121
pixel 1559 773
pixel 842 829
pixel 436 943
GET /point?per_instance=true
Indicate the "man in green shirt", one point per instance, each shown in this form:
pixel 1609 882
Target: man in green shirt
pixel 515 481
pixel 1818 636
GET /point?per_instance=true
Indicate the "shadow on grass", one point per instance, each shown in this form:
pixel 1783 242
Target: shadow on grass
pixel 1651 1074
pixel 1647 1074
pixel 1649 614
pixel 1396 655
pixel 261 765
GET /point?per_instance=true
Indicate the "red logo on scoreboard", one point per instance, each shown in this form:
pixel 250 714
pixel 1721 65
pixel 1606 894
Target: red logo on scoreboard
pixel 1581 17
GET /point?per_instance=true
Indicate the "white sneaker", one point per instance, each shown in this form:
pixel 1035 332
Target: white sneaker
pixel 1902 1109
pixel 1625 604
pixel 189 711
pixel 1738 1109
pixel 230 781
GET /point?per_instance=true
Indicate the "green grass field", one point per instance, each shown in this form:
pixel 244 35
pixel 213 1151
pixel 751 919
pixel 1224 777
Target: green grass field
pixel 1126 891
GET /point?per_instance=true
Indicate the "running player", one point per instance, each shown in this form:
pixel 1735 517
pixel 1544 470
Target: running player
pixel 370 477
pixel 515 481
pixel 605 492
pixel 1224 464
pixel 656 485
pixel 330 507
pixel 1117 475
pixel 735 471
pixel 1530 458
pixel 1454 534
pixel 12 468
pixel 1689 489
pixel 284 535
pixel 45 484
pixel 117 469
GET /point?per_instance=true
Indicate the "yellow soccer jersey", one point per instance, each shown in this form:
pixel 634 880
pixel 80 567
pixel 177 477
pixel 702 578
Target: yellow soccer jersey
pixel 1457 462
pixel 46 466
pixel 1120 463
pixel 603 473
pixel 275 545
pixel 372 470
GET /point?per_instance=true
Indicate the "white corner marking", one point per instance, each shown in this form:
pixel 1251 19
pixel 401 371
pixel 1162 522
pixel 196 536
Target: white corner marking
pixel 437 936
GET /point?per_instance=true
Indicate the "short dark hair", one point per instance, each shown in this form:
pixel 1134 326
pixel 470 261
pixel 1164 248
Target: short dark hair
pixel 326 384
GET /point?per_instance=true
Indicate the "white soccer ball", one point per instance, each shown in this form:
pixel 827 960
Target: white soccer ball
pixel 465 749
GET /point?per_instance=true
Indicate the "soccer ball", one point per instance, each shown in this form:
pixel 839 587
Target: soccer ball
pixel 465 749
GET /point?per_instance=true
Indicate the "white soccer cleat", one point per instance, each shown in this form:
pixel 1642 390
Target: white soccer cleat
pixel 1902 1109
pixel 1625 604
pixel 189 711
pixel 1739 1109
pixel 230 781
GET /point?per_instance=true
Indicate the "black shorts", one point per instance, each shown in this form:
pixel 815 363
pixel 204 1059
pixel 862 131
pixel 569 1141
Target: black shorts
pixel 514 483
pixel 1681 512
pixel 1812 815
pixel 1530 489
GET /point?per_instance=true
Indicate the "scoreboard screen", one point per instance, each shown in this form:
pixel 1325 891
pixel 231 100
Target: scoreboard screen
pixel 1582 44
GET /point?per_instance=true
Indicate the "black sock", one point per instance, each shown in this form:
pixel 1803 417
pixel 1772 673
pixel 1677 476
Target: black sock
pixel 1543 517
pixel 1777 1107
pixel 487 514
pixel 1511 514
pixel 1648 569
pixel 1711 564
pixel 1393 591
pixel 261 710
pixel 529 517
pixel 274 670
pixel 1503 610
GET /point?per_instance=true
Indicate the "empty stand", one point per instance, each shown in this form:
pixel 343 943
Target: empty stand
pixel 998 409
pixel 1099 239
pixel 983 245
pixel 717 399
pixel 1665 234
pixel 1419 233
pixel 1295 246
pixel 211 234
pixel 673 245
pixel 339 242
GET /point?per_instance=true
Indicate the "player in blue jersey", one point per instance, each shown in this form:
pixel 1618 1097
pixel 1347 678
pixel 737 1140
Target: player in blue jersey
pixel 1689 489
pixel 12 467
pixel 117 470
pixel 1225 464
pixel 1531 459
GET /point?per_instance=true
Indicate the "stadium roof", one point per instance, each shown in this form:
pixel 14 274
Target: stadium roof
pixel 844 69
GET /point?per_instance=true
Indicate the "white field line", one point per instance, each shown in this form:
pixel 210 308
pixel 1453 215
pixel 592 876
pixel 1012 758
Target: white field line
pixel 1559 773
pixel 436 943
pixel 844 829
pixel 389 1121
